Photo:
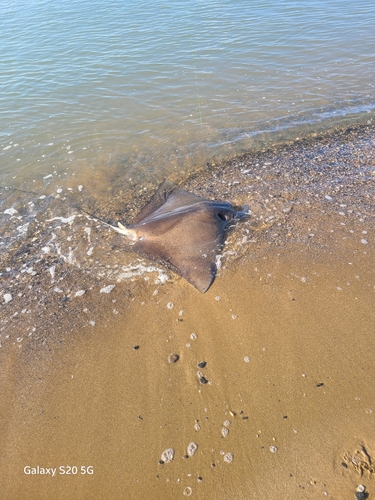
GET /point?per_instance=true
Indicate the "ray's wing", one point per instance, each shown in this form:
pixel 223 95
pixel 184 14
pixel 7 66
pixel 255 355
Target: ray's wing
pixel 167 200
pixel 188 247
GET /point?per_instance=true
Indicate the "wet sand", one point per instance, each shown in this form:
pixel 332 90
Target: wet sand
pixel 285 340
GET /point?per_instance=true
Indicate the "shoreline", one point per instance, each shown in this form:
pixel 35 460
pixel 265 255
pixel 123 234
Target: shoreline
pixel 285 331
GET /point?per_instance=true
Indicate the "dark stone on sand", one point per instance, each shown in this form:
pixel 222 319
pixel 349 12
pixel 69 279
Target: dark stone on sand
pixel 136 347
pixel 202 364
pixel 203 380
pixel 173 358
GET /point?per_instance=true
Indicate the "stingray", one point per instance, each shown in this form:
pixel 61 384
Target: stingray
pixel 182 232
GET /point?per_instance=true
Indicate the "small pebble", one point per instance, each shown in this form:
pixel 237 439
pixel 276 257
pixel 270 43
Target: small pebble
pixel 247 359
pixel 228 458
pixel 167 455
pixel 10 211
pixel 192 448
pixel 226 423
pixel 136 347
pixel 80 293
pixel 7 298
pixel 273 449
pixel 107 289
pixel 361 492
pixel 170 305
pixel 172 358
pixel 203 380
pixel 224 432
pixel 202 364
pixel 188 491
pixel 364 241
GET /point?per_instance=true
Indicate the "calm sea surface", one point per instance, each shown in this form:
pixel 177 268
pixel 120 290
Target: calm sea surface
pixel 159 86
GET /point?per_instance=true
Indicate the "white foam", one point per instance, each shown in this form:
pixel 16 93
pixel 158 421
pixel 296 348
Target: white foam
pixel 64 220
pixel 134 270
pixel 10 211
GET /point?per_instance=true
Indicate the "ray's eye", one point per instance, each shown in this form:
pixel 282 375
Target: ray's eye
pixel 221 216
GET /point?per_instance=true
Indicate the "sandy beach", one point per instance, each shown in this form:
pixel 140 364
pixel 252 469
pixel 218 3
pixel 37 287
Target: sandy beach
pixel 262 387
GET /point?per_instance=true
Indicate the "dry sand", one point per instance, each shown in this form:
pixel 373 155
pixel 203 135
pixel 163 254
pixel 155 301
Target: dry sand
pixel 283 407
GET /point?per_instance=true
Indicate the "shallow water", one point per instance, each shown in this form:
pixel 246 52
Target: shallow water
pixel 159 87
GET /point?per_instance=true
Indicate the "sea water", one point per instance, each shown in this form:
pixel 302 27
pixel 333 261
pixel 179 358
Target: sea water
pixel 159 87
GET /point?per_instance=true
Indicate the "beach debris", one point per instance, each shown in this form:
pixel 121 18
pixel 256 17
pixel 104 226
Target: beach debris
pixel 192 448
pixel 228 457
pixel 273 449
pixel 361 492
pixel 107 289
pixel 173 358
pixel 10 211
pixel 167 455
pixel 201 377
pixel 7 297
